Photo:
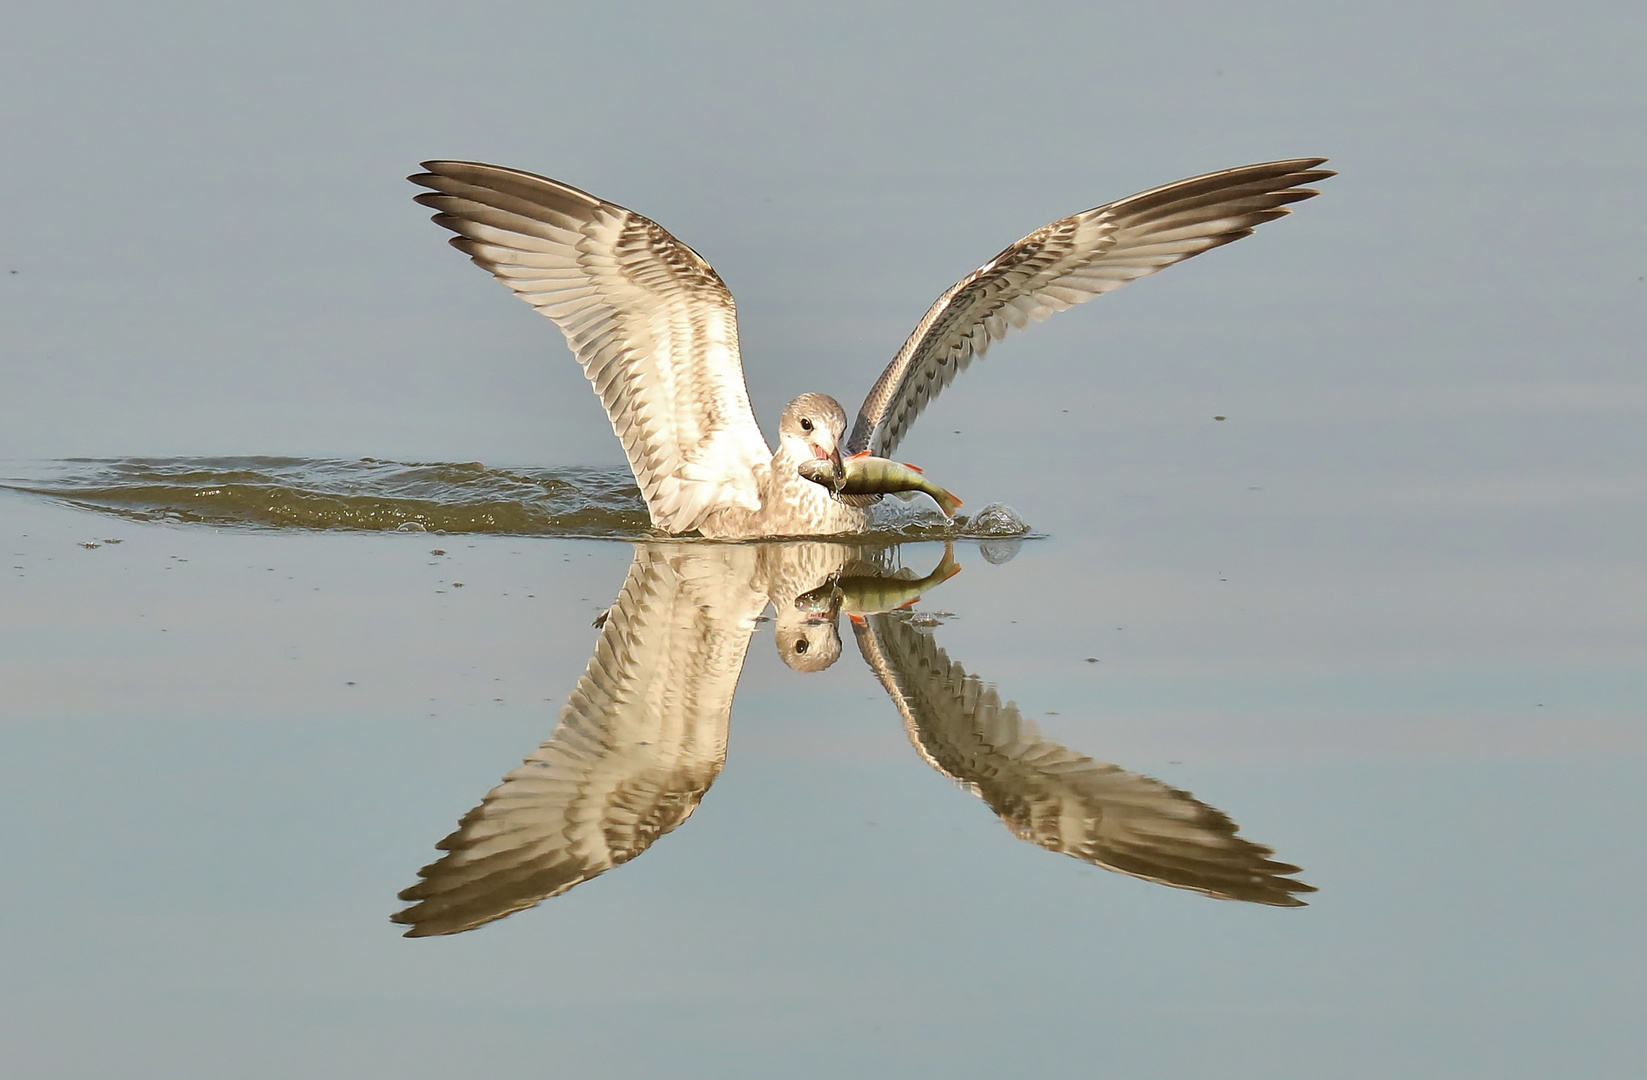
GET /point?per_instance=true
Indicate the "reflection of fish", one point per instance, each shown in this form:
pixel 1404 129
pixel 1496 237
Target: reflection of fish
pixel 864 474
pixel 864 595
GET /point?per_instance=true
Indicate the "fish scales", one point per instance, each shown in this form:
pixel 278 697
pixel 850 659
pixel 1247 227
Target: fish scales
pixel 865 474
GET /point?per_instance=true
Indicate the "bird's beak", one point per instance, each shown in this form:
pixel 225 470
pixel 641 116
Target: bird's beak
pixel 830 452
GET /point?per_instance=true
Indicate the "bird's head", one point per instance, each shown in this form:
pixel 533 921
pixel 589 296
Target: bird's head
pixel 806 643
pixel 812 426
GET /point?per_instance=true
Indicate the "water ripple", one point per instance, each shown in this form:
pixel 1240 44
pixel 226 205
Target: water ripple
pixel 367 494
pixel 373 495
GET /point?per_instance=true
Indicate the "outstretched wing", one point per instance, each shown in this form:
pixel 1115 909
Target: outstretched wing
pixel 650 321
pixel 1054 797
pixel 1066 263
pixel 639 741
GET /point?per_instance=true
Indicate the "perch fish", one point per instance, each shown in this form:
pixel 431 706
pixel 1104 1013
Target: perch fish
pixel 865 474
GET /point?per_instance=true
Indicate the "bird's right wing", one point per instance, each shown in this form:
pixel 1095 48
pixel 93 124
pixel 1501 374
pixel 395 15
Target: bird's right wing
pixel 640 740
pixel 1069 262
pixel 650 321
pixel 1054 797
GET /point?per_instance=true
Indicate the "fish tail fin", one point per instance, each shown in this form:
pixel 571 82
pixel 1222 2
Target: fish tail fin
pixel 948 568
pixel 947 503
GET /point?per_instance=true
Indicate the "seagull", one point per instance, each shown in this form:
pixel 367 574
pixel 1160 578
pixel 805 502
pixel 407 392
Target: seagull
pixel 656 331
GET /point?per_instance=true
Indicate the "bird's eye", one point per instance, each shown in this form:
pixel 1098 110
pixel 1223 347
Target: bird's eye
pixel 800 646
pixel 806 425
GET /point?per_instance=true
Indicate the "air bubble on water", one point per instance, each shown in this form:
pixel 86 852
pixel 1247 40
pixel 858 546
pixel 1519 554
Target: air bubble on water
pixel 412 527
pixel 996 519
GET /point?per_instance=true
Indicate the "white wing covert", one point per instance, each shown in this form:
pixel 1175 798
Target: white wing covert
pixel 650 321
pixel 640 739
pixel 1069 262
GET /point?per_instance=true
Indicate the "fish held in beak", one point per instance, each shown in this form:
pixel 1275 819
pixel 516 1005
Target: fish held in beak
pixel 863 474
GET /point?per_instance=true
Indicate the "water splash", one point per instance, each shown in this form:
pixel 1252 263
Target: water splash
pixel 367 494
pixel 997 520
pixel 373 495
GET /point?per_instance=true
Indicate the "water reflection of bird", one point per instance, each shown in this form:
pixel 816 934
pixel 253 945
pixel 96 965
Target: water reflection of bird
pixel 643 735
pixel 656 330
pixel 1055 797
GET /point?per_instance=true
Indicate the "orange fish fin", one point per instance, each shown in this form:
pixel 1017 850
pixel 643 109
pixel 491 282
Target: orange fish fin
pixel 909 604
pixel 857 619
pixel 917 468
pixel 859 454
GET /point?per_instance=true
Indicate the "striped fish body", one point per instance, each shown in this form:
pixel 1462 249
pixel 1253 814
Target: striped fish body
pixel 865 474
pixel 858 596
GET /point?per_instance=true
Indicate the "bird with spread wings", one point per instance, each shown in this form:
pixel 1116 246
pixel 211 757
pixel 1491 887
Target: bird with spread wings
pixel 643 736
pixel 656 332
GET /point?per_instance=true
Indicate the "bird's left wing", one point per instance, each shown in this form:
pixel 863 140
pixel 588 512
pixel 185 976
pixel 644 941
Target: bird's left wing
pixel 1055 797
pixel 640 740
pixel 1069 262
pixel 650 321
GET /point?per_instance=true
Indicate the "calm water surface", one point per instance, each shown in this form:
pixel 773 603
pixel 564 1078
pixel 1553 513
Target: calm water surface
pixel 227 751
